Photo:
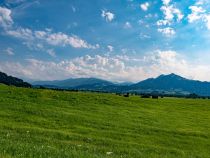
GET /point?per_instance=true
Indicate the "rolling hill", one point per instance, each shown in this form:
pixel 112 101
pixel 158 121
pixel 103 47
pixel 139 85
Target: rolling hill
pixel 36 123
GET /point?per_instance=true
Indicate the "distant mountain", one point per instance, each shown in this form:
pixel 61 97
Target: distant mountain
pixel 9 80
pixel 173 83
pixel 78 83
pixel 168 84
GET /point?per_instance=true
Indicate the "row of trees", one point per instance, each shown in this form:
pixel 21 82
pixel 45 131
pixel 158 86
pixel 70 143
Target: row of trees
pixel 162 95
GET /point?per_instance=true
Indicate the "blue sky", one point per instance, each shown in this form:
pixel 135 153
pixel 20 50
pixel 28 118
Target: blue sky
pixel 120 40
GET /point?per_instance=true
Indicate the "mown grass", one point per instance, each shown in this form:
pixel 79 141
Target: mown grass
pixel 46 123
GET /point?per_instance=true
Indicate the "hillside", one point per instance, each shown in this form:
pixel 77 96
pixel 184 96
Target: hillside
pixel 46 123
pixel 173 83
pixel 10 80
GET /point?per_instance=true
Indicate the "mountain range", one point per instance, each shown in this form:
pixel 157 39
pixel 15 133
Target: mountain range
pixel 168 84
pixel 163 84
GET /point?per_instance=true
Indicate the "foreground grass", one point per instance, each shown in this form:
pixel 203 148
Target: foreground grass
pixel 45 123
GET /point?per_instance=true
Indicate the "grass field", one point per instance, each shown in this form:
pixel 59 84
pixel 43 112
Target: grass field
pixel 46 123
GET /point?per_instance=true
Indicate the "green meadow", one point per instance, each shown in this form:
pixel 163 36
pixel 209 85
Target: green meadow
pixel 45 123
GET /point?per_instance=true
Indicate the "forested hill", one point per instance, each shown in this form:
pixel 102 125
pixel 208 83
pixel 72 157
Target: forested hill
pixel 9 80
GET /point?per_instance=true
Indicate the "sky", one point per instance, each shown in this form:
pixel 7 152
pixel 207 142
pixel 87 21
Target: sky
pixel 115 40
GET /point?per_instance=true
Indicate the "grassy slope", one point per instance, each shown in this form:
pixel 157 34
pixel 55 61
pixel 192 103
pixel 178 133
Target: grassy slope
pixel 45 123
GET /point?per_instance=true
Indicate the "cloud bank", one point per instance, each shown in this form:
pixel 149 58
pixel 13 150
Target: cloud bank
pixel 115 68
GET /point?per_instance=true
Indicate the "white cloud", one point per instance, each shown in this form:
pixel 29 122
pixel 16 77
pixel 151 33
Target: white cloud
pixel 51 52
pixel 179 14
pixel 73 9
pixel 166 2
pixel 201 2
pixel 144 36
pixel 127 25
pixel 197 9
pixel 144 6
pixel 9 51
pixel 199 14
pixel 196 13
pixel 163 22
pixel 5 17
pixel 32 37
pixel 41 34
pixel 63 40
pixel 55 39
pixel 34 46
pixel 207 20
pixel 149 16
pixel 115 68
pixel 171 15
pixel 22 33
pixel 167 31
pixel 107 15
pixel 110 48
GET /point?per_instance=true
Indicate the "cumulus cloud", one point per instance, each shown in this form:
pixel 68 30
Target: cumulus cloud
pixel 5 17
pixel 108 16
pixel 171 15
pixel 115 68
pixel 144 6
pixel 196 13
pixel 61 39
pixel 199 14
pixel 51 38
pixel 31 37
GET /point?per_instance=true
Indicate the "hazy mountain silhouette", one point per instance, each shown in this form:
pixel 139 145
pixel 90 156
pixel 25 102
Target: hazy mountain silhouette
pixel 73 83
pixel 164 83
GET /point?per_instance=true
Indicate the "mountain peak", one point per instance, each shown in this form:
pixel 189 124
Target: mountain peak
pixel 172 75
